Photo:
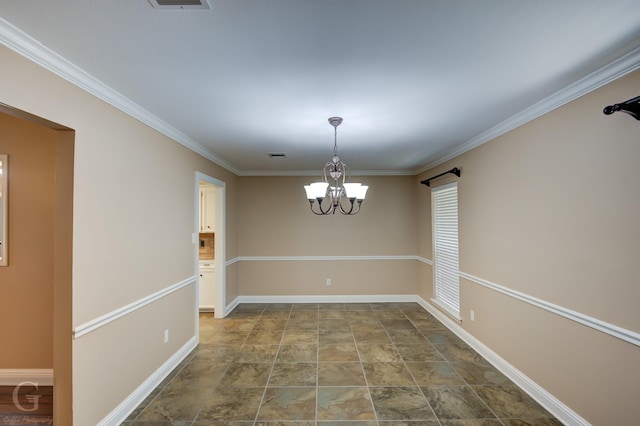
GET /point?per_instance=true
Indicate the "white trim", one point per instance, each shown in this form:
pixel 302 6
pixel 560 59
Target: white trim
pixel 220 274
pixel 556 407
pixel 131 402
pixel 232 261
pixel 447 310
pixel 315 173
pixel 605 327
pixel 231 306
pixel 372 298
pixel 25 45
pixel 320 258
pixel 424 260
pixel 610 72
pixel 13 376
pixel 105 319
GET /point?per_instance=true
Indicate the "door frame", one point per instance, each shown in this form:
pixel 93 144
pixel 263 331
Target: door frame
pixel 219 242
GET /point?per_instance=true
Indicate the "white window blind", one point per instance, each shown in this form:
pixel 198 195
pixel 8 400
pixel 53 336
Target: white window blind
pixel 445 248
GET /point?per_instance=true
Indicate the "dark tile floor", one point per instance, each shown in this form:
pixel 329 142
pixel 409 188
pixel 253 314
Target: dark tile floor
pixel 356 364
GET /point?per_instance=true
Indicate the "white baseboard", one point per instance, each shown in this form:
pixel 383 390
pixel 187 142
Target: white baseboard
pixel 319 299
pixel 14 377
pixel 230 307
pixel 126 407
pixel 537 392
pixel 374 298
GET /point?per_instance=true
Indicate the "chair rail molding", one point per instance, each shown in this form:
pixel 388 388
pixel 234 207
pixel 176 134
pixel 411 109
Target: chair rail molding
pixel 105 319
pixel 605 327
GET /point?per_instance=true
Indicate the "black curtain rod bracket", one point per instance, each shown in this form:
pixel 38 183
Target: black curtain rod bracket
pixel 631 107
pixel 455 171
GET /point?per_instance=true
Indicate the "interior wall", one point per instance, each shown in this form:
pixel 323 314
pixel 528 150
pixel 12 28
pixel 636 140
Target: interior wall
pixel 550 210
pixel 26 284
pixel 62 279
pixel 133 220
pixel 277 223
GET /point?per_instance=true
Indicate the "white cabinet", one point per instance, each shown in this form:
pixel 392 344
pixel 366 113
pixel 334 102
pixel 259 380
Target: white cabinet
pixel 207 286
pixel 207 209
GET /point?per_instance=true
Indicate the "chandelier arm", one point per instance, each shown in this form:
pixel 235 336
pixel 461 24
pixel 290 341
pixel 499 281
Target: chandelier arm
pixel 313 211
pixel 320 211
pixel 359 205
pixel 351 205
pixel 329 208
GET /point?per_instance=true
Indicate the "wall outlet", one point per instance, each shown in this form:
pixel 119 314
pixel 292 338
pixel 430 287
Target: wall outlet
pixel 472 315
pixel 166 335
pixel 328 281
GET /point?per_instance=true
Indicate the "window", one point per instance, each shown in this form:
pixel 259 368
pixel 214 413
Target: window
pixel 444 201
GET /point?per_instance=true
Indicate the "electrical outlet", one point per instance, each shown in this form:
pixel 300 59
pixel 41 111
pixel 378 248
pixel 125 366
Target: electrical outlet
pixel 472 315
pixel 166 335
pixel 328 281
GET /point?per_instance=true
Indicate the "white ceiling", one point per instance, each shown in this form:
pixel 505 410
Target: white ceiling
pixel 417 82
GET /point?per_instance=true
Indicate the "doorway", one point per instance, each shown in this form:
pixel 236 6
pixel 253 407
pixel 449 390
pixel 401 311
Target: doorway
pixel 210 247
pixel 40 154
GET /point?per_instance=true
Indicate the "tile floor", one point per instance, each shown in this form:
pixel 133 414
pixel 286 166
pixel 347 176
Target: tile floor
pixel 356 364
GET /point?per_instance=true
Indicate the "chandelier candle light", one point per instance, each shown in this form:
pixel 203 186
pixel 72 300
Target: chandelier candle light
pixel 334 189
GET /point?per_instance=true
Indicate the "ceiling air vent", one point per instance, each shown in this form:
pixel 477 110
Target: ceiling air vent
pixel 180 4
pixel 276 155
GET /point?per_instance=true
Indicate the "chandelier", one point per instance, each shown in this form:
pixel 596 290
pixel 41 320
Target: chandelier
pixel 333 193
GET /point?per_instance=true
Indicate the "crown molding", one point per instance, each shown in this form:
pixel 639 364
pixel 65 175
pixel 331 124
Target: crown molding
pixel 605 75
pixel 318 173
pixel 23 44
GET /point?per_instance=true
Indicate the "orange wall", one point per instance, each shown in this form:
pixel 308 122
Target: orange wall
pixel 26 284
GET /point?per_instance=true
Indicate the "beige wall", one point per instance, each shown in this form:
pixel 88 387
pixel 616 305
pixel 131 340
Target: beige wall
pixel 134 210
pixel 276 221
pixel 551 210
pixel 26 284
